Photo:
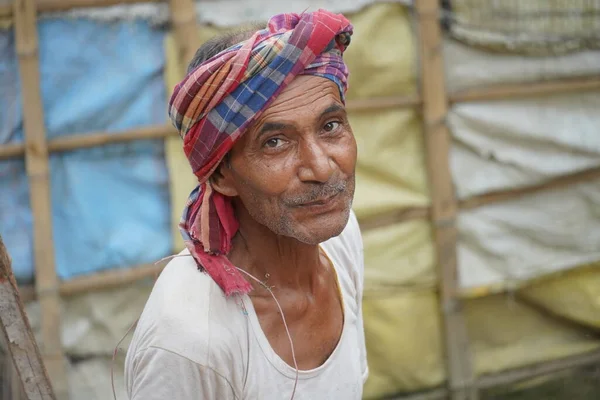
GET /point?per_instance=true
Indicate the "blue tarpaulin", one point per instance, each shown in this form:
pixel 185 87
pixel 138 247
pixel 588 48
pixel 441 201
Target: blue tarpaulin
pixel 110 204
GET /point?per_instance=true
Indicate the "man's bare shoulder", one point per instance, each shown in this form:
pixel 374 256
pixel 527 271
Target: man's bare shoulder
pixel 188 314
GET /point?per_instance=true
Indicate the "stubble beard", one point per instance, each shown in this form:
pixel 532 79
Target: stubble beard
pixel 286 225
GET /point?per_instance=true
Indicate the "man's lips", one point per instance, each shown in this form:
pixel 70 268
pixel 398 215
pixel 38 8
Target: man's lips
pixel 320 202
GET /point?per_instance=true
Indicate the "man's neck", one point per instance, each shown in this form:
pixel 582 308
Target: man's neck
pixel 276 260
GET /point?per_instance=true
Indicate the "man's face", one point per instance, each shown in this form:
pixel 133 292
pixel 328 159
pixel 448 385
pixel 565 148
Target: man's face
pixel 293 170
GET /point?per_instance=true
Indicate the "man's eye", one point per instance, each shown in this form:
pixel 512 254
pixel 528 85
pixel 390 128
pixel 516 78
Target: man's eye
pixel 273 143
pixel 331 126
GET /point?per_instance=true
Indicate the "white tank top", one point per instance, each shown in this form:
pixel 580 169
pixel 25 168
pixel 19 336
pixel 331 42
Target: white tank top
pixel 194 343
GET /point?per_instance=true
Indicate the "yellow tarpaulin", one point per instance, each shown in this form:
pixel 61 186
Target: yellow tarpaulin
pixel 404 346
pixel 574 295
pixel 507 333
pixel 399 256
pixel 404 342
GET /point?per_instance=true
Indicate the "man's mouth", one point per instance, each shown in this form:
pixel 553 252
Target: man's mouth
pixel 322 202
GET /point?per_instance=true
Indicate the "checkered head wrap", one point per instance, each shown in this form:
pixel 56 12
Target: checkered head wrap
pixel 216 102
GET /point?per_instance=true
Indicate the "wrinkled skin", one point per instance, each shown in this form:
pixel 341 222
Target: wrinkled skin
pixel 291 178
pixel 300 151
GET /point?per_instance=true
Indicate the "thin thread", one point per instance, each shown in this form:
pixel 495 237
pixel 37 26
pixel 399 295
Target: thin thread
pixel 116 349
pixel 114 357
pixel 287 330
pixel 284 324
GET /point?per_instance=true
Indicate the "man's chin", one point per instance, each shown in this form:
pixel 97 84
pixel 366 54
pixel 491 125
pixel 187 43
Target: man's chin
pixel 322 228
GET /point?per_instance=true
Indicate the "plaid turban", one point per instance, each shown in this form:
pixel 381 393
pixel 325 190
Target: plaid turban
pixel 217 101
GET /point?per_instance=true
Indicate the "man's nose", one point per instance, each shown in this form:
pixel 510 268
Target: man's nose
pixel 316 165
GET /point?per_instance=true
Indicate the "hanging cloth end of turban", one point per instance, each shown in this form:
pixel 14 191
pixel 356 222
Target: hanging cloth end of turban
pixel 215 104
pixel 208 238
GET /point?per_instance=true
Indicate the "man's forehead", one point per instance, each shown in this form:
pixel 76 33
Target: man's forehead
pixel 305 92
pixel 304 95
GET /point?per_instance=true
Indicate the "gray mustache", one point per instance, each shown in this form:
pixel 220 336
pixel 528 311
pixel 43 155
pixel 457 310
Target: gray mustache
pixel 317 192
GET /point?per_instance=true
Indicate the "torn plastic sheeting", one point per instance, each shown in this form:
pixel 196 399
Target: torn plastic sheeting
pixel 509 144
pixel 110 204
pixel 535 27
pixel 529 237
pixel 467 67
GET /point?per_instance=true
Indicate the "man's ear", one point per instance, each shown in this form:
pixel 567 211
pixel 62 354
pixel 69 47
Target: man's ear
pixel 222 180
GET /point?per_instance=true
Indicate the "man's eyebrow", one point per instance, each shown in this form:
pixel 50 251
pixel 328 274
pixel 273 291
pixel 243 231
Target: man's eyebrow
pixel 278 126
pixel 335 107
pixel 270 127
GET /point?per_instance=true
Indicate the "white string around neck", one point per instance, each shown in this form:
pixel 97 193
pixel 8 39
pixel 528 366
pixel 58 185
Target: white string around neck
pixel 287 330
pixel 263 284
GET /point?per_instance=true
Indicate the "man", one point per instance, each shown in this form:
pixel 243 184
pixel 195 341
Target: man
pixel 265 303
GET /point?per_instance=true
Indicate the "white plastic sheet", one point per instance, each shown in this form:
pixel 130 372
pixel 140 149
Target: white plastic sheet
pixel 530 237
pixel 468 67
pixel 509 144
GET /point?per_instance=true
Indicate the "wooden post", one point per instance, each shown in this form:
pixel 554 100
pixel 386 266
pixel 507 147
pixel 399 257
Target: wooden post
pixel 186 39
pixel 19 338
pixel 186 30
pixel 36 161
pixel 443 201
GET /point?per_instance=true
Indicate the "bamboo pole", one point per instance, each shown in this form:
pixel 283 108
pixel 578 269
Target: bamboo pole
pixel 186 30
pixel 512 194
pixel 65 5
pixel 81 141
pixel 367 223
pixel 516 375
pixel 36 161
pixel 118 277
pixel 539 369
pixel 110 279
pixel 46 6
pixel 186 39
pixel 393 217
pixel 101 281
pixel 27 293
pixel 444 205
pixel 409 214
pixel 87 140
pixel 14 325
pixel 379 103
pixel 12 150
pixel 522 90
pixel 434 394
pixel 489 93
